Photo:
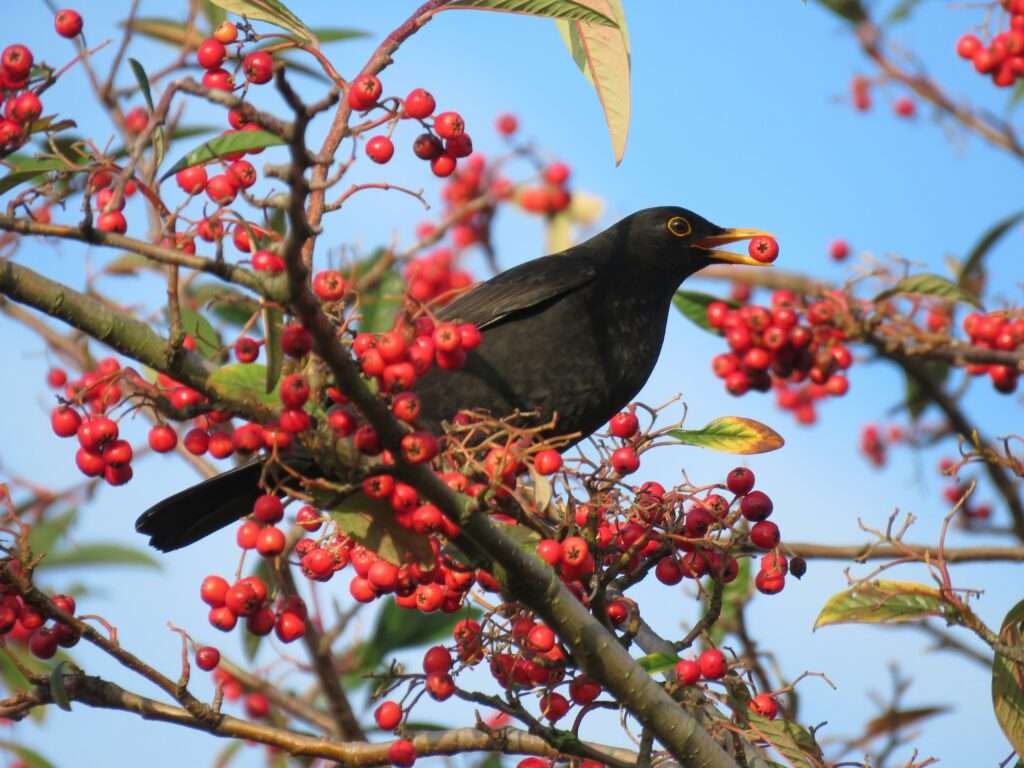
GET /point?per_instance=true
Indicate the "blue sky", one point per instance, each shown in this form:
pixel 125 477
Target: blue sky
pixel 738 113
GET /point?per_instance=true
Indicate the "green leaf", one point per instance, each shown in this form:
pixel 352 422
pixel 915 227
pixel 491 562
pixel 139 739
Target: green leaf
pixel 143 80
pixel 1015 97
pixel 30 758
pixel 694 306
pixel 272 319
pixel 100 553
pixel 229 144
pixel 926 284
pixel 214 15
pixel 881 602
pixel 380 304
pixel 166 31
pixel 1008 680
pixel 272 12
pixel 28 168
pixel 399 628
pixel 732 434
pixel 338 34
pixel 898 719
pixel 901 11
pixel 129 264
pixel 972 264
pixel 654 663
pixel 245 382
pixel 57 690
pixel 227 304
pixel 208 342
pixel 587 11
pixel 602 54
pixel 182 132
pixel 48 531
pixel 791 740
pixel 851 10
pixel 371 522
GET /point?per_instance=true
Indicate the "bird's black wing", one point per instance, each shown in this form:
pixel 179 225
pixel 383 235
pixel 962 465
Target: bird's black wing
pixel 520 288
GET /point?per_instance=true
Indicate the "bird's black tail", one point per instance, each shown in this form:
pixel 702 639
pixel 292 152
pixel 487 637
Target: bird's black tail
pixel 196 512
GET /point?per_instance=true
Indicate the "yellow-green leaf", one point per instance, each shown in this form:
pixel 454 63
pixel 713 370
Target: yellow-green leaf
pixel 30 758
pixel 166 31
pixel 27 168
pixel 245 382
pixel 1008 680
pixel 927 284
pixel 602 54
pixel 571 10
pixel 657 662
pixel 972 264
pixel 791 740
pixel 371 522
pixel 881 602
pixel 732 434
pixel 222 146
pixel 271 11
pixel 207 339
pixel 99 554
pixel 272 319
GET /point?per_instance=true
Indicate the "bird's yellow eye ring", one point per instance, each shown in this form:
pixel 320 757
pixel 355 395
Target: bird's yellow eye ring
pixel 679 226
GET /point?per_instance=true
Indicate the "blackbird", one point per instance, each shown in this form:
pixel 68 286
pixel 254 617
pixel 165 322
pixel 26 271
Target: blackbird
pixel 572 337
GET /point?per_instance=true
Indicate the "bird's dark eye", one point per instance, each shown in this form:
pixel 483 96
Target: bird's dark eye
pixel 679 226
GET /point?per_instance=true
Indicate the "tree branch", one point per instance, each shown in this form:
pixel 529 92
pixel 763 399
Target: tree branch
pixel 864 552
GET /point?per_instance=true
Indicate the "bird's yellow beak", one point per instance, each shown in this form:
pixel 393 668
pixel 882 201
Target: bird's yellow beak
pixel 731 236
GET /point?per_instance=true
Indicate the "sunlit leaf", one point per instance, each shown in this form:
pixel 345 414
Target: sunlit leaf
pixel 28 168
pixel 732 434
pixel 143 80
pixel 791 740
pixel 371 522
pixel 602 54
pixel 657 662
pixel 694 306
pixel 166 31
pixel 380 304
pixel 46 533
pixel 1008 680
pixel 583 10
pixel 214 14
pixel 99 553
pixel 245 382
pixel 271 11
pixel 222 146
pixel 226 303
pixel 881 602
pixel 57 690
pixel 208 342
pixel 972 264
pixel 929 285
pixel 272 320
pixel 901 11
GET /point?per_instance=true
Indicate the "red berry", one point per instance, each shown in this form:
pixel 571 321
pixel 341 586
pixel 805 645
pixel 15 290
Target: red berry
pixel 192 180
pixel 625 460
pixel 443 166
pixel 27 107
pixel 624 424
pixel 364 92
pixel 557 173
pixel 380 149
pixel 554 706
pixel 967 46
pixel 764 704
pixel 541 639
pixel 243 173
pixel 437 660
pixel 548 461
pixel 756 506
pixel 740 481
pixel 770 582
pixel 904 107
pixel 213 590
pixel 211 53
pixel 419 104
pixel 65 421
pixel 449 124
pixel 17 61
pixel 687 671
pixel 258 67
pixel 207 658
pixel 765 535
pixel 712 664
pixel 219 80
pixel 550 551
pixel 271 542
pixel 427 147
pixel 402 752
pixel 68 23
pixel 112 221
pixel 329 285
pixel 226 33
pixel 221 189
pixel 290 626
pixel 388 715
pixel 268 509
pixel 575 551
pixel 763 249
pixel 506 124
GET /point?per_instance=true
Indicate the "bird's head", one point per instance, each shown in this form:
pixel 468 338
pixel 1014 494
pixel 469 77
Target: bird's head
pixel 680 242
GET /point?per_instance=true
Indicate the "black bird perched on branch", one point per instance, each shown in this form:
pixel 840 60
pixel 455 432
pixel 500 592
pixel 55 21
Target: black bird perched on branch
pixel 572 336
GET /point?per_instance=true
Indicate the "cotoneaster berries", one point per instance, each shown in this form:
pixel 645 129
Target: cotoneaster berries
pixel 68 23
pixel 712 664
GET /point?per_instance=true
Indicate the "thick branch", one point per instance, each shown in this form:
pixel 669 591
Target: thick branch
pixel 222 269
pixel 96 692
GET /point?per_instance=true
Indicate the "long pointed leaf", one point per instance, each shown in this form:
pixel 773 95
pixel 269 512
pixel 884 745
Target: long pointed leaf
pixel 570 10
pixel 271 11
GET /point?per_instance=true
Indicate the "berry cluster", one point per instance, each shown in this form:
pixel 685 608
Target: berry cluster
pixel 22 106
pixel 23 624
pixel 772 347
pixel 995 330
pixel 712 665
pixel 248 598
pixel 1003 58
